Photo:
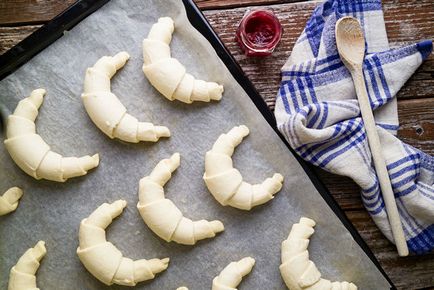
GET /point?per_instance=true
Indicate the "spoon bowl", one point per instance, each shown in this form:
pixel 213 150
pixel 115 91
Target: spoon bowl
pixel 350 40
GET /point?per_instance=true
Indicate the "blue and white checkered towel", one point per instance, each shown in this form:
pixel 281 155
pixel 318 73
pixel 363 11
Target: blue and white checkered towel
pixel 318 113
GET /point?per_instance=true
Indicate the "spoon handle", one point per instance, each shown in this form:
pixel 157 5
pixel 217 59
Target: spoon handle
pixel 379 162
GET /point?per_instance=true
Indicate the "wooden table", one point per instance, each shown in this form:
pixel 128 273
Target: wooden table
pixel 406 20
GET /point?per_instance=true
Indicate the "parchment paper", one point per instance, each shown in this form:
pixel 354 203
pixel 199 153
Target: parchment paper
pixel 52 211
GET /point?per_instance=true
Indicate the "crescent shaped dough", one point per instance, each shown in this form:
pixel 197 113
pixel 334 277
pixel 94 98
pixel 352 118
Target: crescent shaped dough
pixel 32 154
pixel 226 183
pixel 22 276
pixel 107 111
pixel 167 74
pixel 162 216
pixel 182 288
pixel 232 274
pixel 9 200
pixel 297 270
pixel 103 260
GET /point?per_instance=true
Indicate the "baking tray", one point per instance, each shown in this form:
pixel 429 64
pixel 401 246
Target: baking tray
pixel 47 34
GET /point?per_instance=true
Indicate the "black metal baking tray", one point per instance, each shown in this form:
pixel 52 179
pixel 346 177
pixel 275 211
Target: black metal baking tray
pixel 53 30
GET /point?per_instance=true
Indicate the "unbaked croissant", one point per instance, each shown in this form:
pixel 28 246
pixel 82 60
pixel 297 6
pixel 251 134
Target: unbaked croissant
pixel 226 183
pixel 9 200
pixel 22 276
pixel 232 274
pixel 167 74
pixel 161 214
pixel 32 154
pixel 297 270
pixel 107 111
pixel 103 260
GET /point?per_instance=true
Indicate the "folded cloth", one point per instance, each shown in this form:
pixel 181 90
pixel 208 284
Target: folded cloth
pixel 318 113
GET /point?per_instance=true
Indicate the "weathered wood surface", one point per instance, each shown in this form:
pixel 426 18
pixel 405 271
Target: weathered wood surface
pixel 406 21
pixel 19 12
pixel 10 36
pixel 218 4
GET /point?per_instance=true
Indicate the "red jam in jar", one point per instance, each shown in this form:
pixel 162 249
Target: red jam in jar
pixel 259 32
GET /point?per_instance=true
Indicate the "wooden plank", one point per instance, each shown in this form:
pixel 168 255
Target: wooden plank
pixel 345 191
pixel 406 21
pixel 221 4
pixel 413 272
pixel 417 123
pixel 14 12
pixel 10 36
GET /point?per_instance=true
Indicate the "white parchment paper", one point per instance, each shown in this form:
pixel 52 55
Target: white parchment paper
pixel 52 211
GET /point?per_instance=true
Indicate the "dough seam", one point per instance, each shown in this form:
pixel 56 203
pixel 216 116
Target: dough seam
pixel 226 183
pixel 297 270
pixel 162 216
pixel 167 74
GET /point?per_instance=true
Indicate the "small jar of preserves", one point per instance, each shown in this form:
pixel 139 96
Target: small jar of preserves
pixel 259 32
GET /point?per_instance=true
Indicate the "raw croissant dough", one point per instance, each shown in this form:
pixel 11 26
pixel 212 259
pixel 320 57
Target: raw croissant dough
pixel 22 276
pixel 103 260
pixel 161 214
pixel 9 200
pixel 32 154
pixel 232 274
pixel 107 111
pixel 226 183
pixel 297 270
pixel 167 74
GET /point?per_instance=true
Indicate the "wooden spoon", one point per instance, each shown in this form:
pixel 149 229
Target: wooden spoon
pixel 351 46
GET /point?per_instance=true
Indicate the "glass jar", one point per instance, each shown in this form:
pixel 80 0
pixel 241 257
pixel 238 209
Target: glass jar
pixel 259 32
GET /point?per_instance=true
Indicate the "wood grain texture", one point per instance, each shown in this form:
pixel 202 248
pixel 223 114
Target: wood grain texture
pixel 10 36
pixel 219 4
pixel 417 123
pixel 406 22
pixel 412 272
pixel 14 12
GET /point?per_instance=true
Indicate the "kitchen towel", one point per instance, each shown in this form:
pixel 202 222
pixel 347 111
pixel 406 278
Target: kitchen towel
pixel 318 113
